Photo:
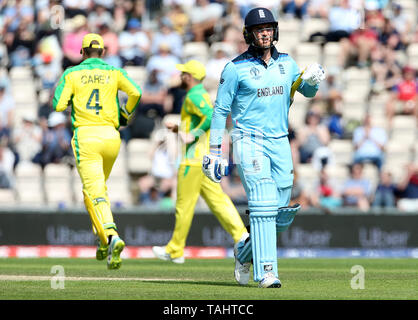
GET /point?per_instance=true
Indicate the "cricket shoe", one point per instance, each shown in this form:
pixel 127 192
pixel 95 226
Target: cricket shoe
pixel 101 251
pixel 242 270
pixel 159 252
pixel 116 247
pixel 269 281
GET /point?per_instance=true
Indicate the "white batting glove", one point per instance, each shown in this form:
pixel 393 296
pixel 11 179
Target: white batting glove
pixel 214 167
pixel 314 74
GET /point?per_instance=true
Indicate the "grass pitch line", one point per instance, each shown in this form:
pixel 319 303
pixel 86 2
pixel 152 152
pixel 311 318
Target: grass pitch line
pixel 6 277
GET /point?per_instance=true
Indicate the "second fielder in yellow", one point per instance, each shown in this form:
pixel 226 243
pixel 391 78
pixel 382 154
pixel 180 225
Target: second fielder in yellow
pixel 92 89
pixel 196 116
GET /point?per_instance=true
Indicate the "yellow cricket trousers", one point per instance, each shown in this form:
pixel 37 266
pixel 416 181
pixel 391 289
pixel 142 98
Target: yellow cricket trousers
pixel 191 182
pixel 96 149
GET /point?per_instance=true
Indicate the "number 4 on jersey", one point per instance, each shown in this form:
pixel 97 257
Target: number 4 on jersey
pixel 97 106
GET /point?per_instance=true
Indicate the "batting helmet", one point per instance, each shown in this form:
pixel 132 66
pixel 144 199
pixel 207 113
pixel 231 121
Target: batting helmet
pixel 256 17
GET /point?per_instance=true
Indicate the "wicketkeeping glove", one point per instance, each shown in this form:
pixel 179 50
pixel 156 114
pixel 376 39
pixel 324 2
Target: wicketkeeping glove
pixel 214 167
pixel 314 74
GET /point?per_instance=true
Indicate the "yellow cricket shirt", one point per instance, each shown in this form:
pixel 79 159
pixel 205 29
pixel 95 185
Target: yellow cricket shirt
pixel 196 116
pixel 92 89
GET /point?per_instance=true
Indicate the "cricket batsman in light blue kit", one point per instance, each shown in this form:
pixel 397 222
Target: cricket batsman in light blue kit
pixel 257 89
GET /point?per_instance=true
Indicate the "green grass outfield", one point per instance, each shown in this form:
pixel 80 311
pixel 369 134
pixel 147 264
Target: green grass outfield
pixel 198 279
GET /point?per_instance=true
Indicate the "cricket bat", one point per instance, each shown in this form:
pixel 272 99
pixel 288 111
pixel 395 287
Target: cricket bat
pixel 295 86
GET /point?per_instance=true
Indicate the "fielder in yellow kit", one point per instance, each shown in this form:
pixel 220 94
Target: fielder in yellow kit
pixel 196 116
pixel 92 89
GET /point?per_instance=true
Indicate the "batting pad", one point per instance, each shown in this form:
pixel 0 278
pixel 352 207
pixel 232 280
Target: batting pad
pixel 264 243
pixel 263 205
pixel 95 218
pixel 245 251
pixel 285 217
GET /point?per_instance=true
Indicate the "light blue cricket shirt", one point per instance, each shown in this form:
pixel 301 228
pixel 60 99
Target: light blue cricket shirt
pixel 257 95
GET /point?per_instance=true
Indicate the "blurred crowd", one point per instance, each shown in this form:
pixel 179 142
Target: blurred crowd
pixel 375 35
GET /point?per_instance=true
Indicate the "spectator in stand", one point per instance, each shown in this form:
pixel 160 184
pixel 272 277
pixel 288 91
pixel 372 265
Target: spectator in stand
pixel 295 8
pixel 7 110
pixel 99 16
pixel 48 71
pixel 139 7
pixel 119 17
pixel 151 199
pixel 330 94
pixel 163 158
pixel 175 99
pixel 56 141
pixel 359 46
pixel 27 138
pixel 326 195
pixel 407 189
pixel 166 34
pixel 111 43
pixel 45 108
pixel 369 143
pixel 299 193
pixel 384 196
pixel 76 7
pixel 165 63
pixel 402 23
pixel 154 96
pixel 312 136
pixel 404 96
pixel 178 18
pixel 72 40
pixel 390 37
pixel 144 184
pixel 47 19
pixel 108 4
pixel 21 45
pixel 385 69
pixel 150 196
pixel 323 157
pixel 15 14
pixel 204 16
pixel 215 66
pixel 343 20
pixel 134 44
pixel 356 191
pixel 374 17
pixel 319 8
pixel 7 160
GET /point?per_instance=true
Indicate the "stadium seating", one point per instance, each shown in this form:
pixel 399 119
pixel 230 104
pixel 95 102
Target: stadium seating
pixel 7 198
pixel 290 33
pixel 343 151
pixel 354 110
pixel 331 53
pixel 307 176
pixel 29 185
pixel 57 185
pixel 196 50
pixel 229 48
pixel 412 54
pixel 306 54
pixel 137 73
pixel 138 153
pixel 311 26
pixel 397 155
